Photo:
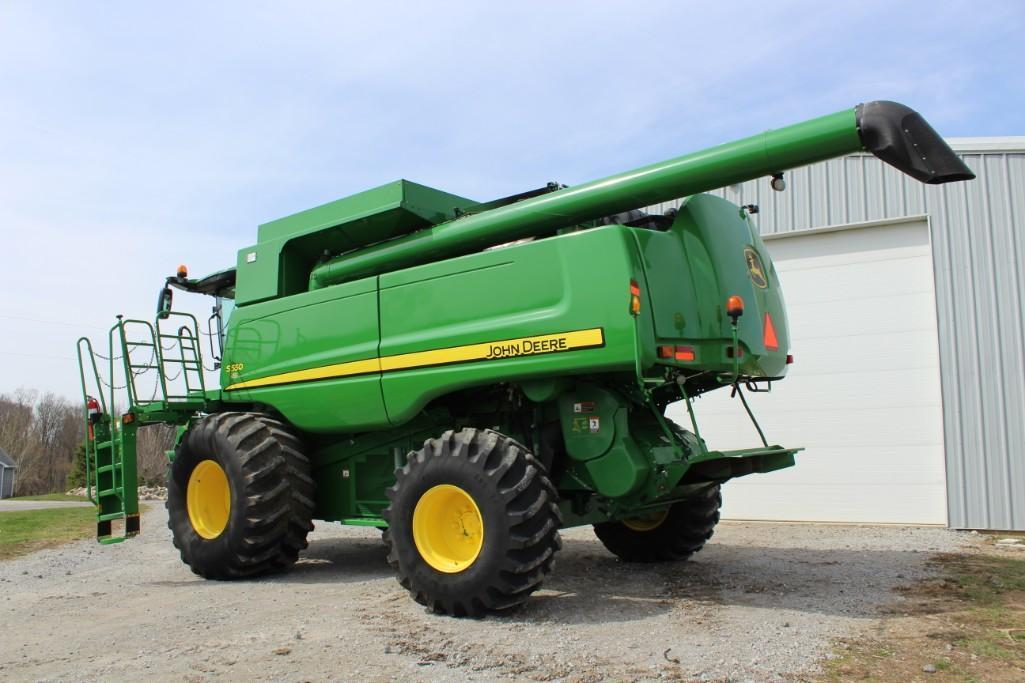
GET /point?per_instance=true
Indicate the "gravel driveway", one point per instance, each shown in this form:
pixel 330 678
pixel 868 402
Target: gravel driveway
pixel 761 603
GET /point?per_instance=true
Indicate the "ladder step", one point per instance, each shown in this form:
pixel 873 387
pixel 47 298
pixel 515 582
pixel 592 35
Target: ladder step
pixel 111 540
pixel 110 516
pixel 105 468
pixel 102 444
pixel 108 492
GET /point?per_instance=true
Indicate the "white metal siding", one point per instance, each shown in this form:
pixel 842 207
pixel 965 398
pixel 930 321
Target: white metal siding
pixel 864 394
pixel 978 238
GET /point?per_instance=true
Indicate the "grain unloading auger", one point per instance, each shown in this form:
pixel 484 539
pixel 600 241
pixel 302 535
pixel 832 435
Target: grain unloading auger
pixel 472 377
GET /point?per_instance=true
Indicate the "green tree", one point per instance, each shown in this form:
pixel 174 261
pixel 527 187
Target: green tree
pixel 76 475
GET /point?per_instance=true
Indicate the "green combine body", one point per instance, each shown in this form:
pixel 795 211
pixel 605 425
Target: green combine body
pixel 472 377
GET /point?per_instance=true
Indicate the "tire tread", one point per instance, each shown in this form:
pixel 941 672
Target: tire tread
pixel 532 516
pixel 686 529
pixel 278 495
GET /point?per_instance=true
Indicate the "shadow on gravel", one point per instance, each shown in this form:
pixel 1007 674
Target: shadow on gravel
pixel 591 586
pixel 339 560
pixel 333 560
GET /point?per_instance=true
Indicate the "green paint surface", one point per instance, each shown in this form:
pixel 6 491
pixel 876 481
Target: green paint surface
pixel 383 319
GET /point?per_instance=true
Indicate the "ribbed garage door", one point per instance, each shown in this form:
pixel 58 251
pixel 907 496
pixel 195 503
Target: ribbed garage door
pixel 863 396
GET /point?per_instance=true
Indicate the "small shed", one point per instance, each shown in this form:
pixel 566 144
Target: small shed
pixel 7 469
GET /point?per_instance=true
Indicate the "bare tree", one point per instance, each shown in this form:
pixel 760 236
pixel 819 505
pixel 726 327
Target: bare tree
pixel 58 427
pixel 41 434
pixel 16 421
pixel 151 448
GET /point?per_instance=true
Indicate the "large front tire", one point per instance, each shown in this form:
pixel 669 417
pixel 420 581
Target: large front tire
pixel 670 535
pixel 473 523
pixel 240 496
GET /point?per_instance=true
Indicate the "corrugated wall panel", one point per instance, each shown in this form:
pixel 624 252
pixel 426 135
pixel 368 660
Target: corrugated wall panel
pixel 978 237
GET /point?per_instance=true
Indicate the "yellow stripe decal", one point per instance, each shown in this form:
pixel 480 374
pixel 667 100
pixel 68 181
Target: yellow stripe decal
pixel 356 367
pixel 496 350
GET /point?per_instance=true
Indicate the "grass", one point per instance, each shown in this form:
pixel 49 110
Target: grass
pixel 987 579
pixel 23 532
pixel 969 625
pixel 51 496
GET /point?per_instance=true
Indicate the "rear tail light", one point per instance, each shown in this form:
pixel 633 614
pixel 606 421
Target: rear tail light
pixel 769 334
pixel 790 359
pixel 685 353
pixel 635 298
pixel 681 353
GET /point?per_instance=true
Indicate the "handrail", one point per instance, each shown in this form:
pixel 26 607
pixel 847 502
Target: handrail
pixel 188 354
pixel 119 327
pixel 129 335
pixel 85 407
pixel 148 333
pixel 96 372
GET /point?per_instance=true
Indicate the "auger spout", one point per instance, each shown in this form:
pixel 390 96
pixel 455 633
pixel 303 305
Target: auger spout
pixel 894 133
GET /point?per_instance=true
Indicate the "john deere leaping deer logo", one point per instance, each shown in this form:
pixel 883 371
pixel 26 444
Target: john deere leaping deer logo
pixel 755 268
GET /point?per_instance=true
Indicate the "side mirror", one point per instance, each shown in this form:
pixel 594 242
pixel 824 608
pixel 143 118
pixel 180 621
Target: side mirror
pixel 164 302
pixel 218 333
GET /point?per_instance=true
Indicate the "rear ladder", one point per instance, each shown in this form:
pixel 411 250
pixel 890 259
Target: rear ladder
pixel 112 479
pixel 110 446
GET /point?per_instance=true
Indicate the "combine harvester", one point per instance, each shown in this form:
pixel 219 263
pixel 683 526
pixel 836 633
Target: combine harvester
pixel 473 377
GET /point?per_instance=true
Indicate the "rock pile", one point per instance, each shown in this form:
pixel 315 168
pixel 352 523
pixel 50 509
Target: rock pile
pixel 1013 543
pixel 145 492
pixel 152 493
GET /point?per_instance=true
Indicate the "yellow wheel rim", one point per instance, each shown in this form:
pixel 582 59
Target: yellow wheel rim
pixel 647 522
pixel 448 528
pixel 208 499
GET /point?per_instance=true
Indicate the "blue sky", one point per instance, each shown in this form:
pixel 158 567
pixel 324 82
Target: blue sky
pixel 136 136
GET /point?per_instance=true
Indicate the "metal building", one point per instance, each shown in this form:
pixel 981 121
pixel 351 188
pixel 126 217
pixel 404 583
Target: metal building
pixel 924 421
pixel 7 470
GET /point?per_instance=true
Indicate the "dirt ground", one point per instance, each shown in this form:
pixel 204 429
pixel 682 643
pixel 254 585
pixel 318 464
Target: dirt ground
pixel 762 602
pixel 967 624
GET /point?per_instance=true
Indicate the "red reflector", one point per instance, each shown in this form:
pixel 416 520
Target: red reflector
pixel 684 353
pixel 635 289
pixel 769 334
pixel 665 352
pixel 790 359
